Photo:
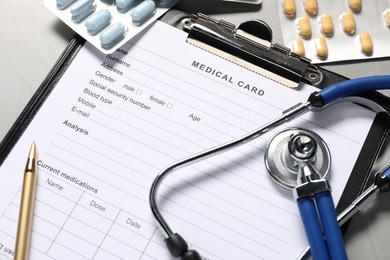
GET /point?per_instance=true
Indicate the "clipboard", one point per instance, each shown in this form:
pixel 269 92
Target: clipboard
pixel 367 157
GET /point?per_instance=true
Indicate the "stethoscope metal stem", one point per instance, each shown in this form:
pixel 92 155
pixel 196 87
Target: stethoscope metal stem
pixel 286 116
pixel 359 204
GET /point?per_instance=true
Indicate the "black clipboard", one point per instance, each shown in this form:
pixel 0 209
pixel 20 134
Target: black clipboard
pixel 361 171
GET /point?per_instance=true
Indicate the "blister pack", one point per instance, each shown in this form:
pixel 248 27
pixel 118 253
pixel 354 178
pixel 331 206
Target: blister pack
pixel 108 24
pixel 336 30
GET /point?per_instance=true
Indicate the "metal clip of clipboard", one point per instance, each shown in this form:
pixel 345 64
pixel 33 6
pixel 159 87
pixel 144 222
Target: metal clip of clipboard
pixel 253 51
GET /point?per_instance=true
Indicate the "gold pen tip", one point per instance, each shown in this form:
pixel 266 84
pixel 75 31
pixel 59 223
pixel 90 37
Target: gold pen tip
pixel 32 152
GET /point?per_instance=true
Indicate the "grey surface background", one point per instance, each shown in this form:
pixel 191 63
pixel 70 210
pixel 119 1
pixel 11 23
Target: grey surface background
pixel 32 38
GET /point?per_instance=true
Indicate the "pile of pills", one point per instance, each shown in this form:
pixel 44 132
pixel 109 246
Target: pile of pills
pixel 108 24
pixel 336 30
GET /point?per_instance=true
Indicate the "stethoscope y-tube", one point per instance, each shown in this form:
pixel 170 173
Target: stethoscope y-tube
pixel 380 184
pixel 175 243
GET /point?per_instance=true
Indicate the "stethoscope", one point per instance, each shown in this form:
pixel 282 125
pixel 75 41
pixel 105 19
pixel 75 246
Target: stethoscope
pixel 302 147
pixel 299 159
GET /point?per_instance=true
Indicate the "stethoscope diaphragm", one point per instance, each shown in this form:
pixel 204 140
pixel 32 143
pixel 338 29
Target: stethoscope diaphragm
pixel 281 159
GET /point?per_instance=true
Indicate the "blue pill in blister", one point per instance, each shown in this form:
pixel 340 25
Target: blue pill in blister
pixel 98 21
pixel 124 5
pixel 82 9
pixel 62 4
pixel 142 12
pixel 112 35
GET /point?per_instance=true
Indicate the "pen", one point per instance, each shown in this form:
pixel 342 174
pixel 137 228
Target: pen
pixel 26 207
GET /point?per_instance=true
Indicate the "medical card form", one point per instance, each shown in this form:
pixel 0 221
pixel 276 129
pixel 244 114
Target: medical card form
pixel 113 122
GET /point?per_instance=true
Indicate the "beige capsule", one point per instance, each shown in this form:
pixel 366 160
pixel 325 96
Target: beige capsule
pixel 386 17
pixel 321 47
pixel 326 25
pixel 365 43
pixel 304 27
pixel 289 8
pixel 348 23
pixel 355 5
pixel 311 6
pixel 298 47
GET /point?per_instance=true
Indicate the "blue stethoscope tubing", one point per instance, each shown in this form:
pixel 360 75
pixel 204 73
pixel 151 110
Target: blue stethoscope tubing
pixel 353 86
pixel 175 243
pixel 326 226
pixel 334 239
pixel 381 183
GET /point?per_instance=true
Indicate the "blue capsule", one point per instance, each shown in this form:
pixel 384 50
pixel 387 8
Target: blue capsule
pixel 112 35
pixel 62 4
pixel 82 9
pixel 142 12
pixel 98 21
pixel 125 5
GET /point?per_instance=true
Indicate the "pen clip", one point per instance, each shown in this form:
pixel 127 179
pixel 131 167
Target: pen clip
pixel 254 52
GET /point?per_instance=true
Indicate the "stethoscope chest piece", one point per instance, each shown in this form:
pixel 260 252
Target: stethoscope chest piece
pixel 288 148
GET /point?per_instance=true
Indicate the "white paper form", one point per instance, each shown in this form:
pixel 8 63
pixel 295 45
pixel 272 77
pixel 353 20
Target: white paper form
pixel 114 122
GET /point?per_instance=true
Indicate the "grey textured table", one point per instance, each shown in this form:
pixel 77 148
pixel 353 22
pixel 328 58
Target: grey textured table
pixel 33 38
